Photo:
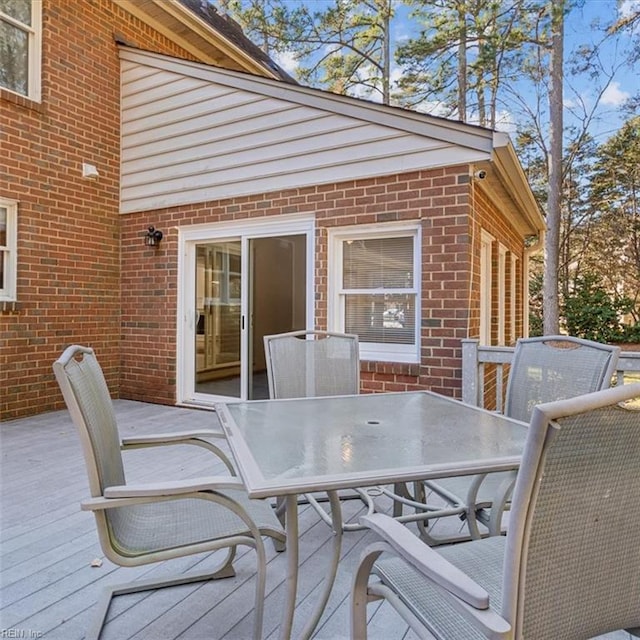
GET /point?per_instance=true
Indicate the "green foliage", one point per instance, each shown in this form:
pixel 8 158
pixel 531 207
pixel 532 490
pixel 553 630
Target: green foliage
pixel 614 225
pixel 475 60
pixel 535 305
pixel 464 54
pixel 630 333
pixel 592 313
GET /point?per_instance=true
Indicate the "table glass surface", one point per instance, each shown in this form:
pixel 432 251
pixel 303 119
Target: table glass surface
pixel 291 446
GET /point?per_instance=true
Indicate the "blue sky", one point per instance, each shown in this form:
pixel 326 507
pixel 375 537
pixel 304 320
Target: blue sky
pixel 624 82
pixel 608 89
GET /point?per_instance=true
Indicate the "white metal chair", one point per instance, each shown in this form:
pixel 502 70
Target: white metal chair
pixel 569 566
pixel 543 369
pixel 306 364
pixel 145 523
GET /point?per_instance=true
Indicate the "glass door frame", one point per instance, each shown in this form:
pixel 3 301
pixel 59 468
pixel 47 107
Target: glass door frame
pixel 186 319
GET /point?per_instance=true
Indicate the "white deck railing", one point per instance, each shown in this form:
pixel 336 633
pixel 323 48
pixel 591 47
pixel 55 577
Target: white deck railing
pixel 476 357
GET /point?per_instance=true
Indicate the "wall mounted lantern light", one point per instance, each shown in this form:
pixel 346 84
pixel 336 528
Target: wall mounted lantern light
pixel 153 237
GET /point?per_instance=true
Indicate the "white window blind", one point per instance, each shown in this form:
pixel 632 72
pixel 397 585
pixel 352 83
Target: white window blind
pixel 375 291
pixel 378 286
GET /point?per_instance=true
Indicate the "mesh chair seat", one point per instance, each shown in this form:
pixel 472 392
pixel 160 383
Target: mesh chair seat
pixel 484 564
pixel 308 364
pixel 160 526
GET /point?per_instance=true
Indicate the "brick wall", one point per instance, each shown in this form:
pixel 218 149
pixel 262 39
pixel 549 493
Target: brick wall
pixel 439 198
pixel 69 227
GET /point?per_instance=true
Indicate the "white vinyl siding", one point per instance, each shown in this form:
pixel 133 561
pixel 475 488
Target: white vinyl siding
pixel 193 133
pixel 20 47
pixel 8 249
pixel 375 290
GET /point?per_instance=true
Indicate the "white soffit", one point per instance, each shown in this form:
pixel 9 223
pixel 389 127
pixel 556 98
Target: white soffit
pixel 193 133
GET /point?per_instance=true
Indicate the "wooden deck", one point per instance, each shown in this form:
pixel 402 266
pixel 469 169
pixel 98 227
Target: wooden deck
pixel 47 545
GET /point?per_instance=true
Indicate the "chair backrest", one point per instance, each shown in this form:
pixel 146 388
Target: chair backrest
pixel 303 364
pixel 572 560
pixel 87 397
pixel 552 368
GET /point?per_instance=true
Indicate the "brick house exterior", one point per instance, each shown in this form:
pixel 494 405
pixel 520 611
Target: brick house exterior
pixel 151 291
pixel 84 274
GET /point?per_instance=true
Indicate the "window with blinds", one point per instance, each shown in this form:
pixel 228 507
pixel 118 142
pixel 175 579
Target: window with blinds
pixel 378 291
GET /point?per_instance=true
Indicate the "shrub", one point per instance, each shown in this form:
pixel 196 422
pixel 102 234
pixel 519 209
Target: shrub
pixel 592 313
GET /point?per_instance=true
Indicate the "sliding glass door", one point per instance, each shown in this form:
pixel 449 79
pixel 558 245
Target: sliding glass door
pixel 219 321
pixel 239 288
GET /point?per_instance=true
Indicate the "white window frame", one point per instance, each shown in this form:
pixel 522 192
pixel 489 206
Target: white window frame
pixel 502 293
pixel 486 287
pixel 513 293
pixel 336 294
pixel 34 51
pixel 9 252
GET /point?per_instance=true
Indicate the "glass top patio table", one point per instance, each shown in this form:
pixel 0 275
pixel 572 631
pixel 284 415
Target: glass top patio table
pixel 285 447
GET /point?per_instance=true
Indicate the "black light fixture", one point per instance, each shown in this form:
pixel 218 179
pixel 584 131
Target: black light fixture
pixel 153 237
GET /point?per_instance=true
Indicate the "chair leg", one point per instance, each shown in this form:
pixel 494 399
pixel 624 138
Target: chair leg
pixel 225 570
pixel 360 494
pixel 500 504
pixel 359 590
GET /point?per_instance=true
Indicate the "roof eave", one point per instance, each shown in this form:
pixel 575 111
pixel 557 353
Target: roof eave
pixel 190 19
pixel 511 174
pixel 201 29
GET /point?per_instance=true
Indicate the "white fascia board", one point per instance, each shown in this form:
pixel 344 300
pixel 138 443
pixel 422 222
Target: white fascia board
pixel 461 134
pixel 515 181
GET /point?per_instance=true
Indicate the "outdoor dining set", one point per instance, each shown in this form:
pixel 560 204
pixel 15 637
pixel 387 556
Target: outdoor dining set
pixel 546 491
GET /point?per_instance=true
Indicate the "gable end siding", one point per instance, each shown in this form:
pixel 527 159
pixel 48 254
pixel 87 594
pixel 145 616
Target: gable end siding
pixel 189 138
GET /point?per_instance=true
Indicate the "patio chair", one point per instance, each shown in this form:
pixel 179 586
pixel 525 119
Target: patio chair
pixel 569 567
pixel 543 369
pixel 308 364
pixel 145 523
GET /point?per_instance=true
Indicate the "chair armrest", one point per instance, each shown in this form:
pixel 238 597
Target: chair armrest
pixel 172 437
pixel 429 562
pixel 180 437
pixel 173 487
pixel 130 494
